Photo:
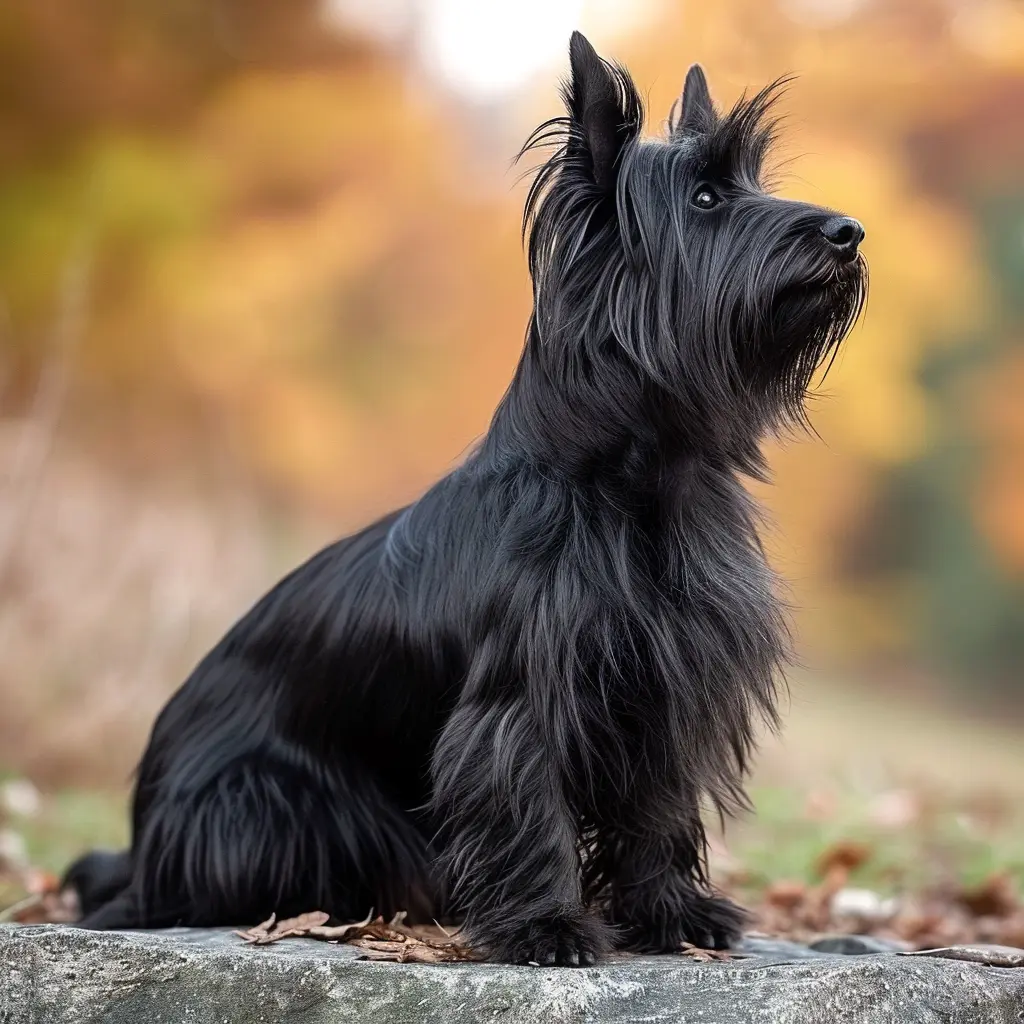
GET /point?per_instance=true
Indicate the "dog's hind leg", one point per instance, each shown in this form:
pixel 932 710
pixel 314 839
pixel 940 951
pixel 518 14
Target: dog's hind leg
pixel 264 836
pixel 98 877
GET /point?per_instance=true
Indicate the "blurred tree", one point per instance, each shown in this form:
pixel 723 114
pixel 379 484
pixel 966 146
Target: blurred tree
pixel 292 257
pixel 281 244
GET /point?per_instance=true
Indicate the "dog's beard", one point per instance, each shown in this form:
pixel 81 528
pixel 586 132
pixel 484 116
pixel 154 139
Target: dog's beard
pixel 808 317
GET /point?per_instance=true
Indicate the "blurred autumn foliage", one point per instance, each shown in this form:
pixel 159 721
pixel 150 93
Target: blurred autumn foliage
pixel 253 259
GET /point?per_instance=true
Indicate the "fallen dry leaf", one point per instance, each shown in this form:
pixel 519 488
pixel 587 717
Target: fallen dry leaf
pixel 414 945
pixel 258 931
pixel 995 897
pixel 50 906
pixel 300 925
pixel 786 893
pixel 392 940
pixel 267 931
pixel 375 930
pixel 340 932
pixel 400 943
pixel 842 858
pixel 40 882
pixel 419 953
pixel 706 955
pixel 943 917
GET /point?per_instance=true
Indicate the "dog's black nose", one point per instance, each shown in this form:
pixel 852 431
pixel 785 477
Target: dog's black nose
pixel 845 234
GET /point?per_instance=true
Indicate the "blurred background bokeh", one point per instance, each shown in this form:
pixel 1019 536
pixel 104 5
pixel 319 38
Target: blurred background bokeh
pixel 261 280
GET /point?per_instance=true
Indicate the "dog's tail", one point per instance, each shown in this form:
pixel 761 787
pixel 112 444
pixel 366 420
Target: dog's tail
pixel 97 877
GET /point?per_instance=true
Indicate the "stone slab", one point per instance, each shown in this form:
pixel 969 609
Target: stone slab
pixel 199 976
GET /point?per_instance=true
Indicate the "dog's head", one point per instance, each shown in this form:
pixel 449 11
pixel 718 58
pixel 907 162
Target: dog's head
pixel 671 255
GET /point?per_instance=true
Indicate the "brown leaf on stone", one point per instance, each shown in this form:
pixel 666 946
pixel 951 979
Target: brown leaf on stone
pixel 392 940
pixel 299 925
pixel 258 931
pixel 267 932
pixel 415 952
pixel 400 943
pixel 341 932
pixel 353 934
pixel 705 955
pixel 379 945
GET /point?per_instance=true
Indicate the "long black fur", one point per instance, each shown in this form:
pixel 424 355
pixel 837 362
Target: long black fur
pixel 510 700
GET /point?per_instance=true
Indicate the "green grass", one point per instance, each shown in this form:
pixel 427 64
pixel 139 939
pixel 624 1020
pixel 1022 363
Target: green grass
pixel 71 822
pixel 947 843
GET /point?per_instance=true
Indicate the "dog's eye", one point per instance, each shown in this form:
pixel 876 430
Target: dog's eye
pixel 705 198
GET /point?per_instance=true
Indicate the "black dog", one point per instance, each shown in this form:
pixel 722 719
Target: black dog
pixel 509 700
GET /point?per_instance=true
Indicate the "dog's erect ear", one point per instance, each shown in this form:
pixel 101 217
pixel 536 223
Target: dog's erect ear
pixel 604 107
pixel 696 110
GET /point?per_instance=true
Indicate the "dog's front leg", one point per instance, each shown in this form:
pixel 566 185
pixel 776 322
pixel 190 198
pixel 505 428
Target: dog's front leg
pixel 658 897
pixel 508 840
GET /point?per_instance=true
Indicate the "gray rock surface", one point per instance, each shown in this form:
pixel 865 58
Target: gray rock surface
pixel 53 973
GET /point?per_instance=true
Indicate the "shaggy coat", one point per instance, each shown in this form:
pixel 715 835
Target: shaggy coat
pixel 508 701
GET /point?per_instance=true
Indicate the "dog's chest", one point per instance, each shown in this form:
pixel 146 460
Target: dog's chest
pixel 710 614
pixel 718 573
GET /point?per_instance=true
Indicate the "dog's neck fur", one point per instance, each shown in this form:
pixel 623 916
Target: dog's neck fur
pixel 631 437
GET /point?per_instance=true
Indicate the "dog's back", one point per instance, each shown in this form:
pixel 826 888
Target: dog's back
pixel 272 779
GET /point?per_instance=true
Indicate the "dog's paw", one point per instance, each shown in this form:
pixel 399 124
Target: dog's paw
pixel 548 942
pixel 709 922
